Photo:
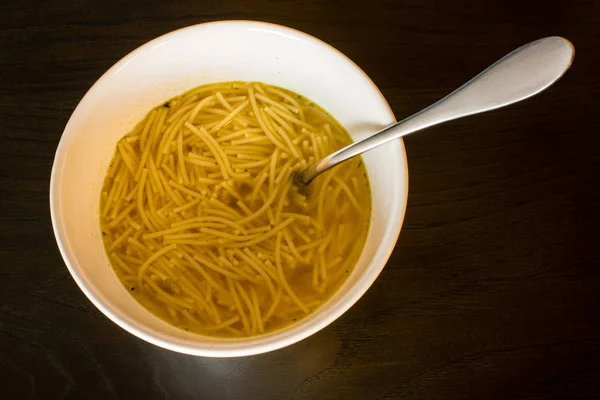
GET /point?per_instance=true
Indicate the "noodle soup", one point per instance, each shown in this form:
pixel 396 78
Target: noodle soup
pixel 203 224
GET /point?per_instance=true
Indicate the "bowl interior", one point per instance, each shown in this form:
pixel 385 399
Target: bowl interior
pixel 169 65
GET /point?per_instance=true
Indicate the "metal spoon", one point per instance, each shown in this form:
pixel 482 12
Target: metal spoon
pixel 520 74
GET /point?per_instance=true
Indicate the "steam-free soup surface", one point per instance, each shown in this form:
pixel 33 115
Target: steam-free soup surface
pixel 203 223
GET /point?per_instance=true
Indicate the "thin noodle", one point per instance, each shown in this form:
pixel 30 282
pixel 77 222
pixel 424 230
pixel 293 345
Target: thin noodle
pixel 238 305
pixel 261 327
pixel 282 276
pixel 152 258
pixel 251 311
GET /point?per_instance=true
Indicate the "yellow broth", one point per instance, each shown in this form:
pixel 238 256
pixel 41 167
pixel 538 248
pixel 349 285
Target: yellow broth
pixel 203 224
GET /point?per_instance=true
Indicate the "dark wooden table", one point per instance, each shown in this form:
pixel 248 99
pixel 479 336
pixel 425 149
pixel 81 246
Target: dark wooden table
pixel 493 290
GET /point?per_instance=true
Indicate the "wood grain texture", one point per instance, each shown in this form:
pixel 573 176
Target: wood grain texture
pixel 493 291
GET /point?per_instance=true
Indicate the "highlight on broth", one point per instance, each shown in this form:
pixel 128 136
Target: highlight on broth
pixel 203 224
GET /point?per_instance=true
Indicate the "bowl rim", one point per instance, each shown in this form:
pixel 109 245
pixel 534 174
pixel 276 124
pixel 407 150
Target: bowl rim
pixel 122 320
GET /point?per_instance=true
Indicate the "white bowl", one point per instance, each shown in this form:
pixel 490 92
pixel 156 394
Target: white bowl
pixel 169 65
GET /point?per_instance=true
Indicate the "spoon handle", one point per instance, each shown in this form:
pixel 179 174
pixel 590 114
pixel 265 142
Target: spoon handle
pixel 520 74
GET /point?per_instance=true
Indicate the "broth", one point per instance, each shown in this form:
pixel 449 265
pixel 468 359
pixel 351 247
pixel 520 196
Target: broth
pixel 201 220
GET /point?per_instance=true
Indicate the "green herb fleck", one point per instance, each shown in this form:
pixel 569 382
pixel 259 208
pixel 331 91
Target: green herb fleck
pixel 132 289
pixel 167 105
pixel 359 164
pixel 103 233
